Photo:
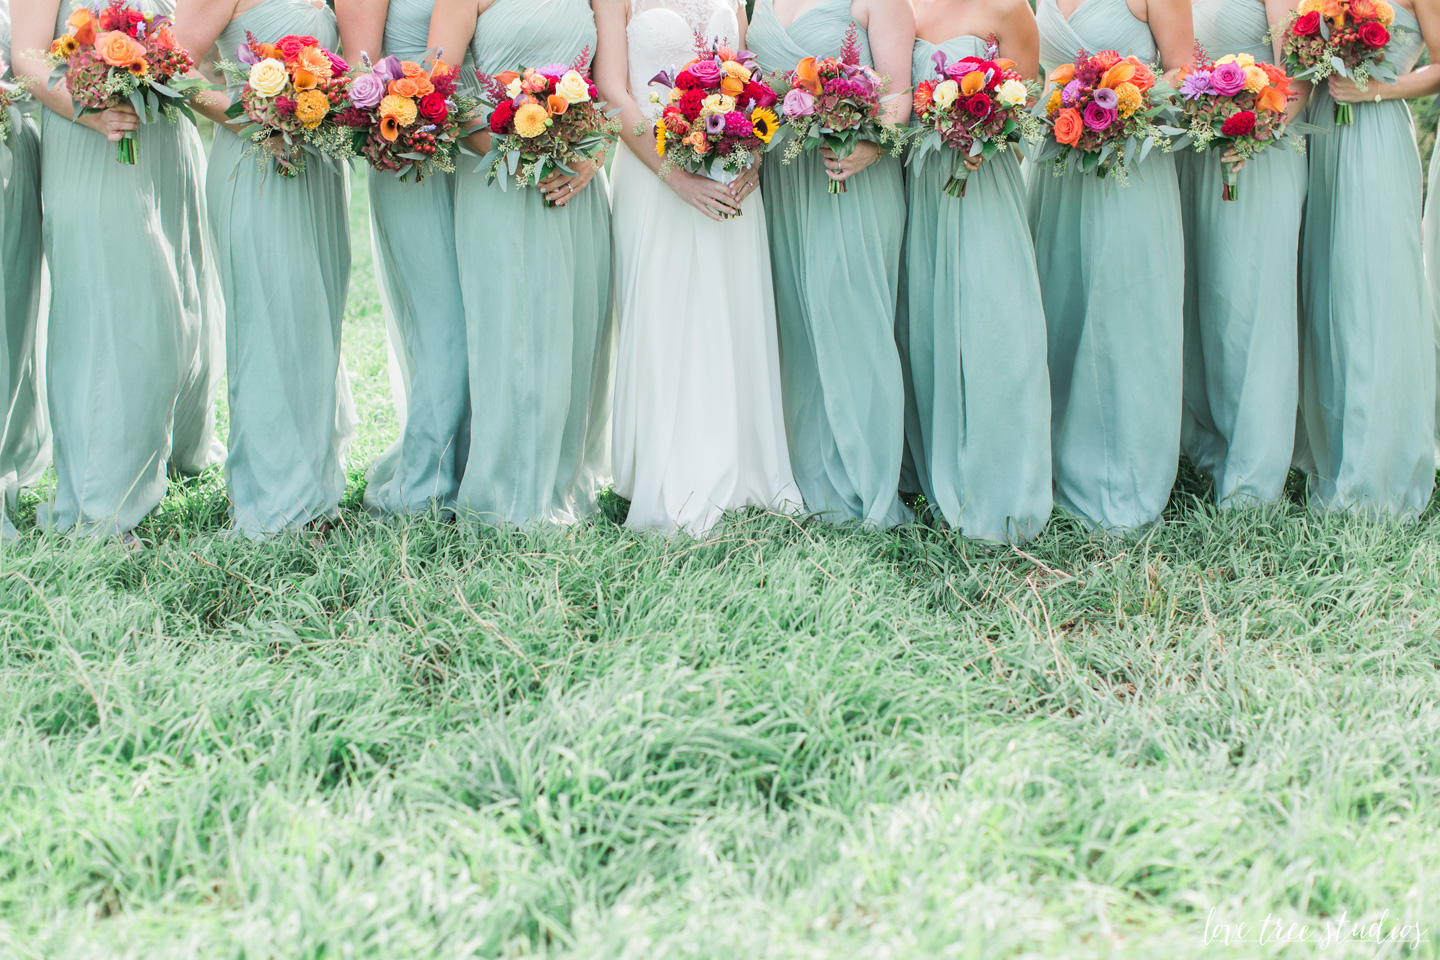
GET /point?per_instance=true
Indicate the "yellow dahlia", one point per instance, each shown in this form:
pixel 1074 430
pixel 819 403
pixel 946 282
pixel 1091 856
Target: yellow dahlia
pixel 1256 79
pixel 1312 6
pixel 737 70
pixel 531 120
pixel 311 107
pixel 1056 101
pixel 766 123
pixel 1384 12
pixel 1129 98
pixel 403 109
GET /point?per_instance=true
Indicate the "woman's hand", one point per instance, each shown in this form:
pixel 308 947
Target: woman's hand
pixel 864 154
pixel 560 188
pixel 1231 157
pixel 709 197
pixel 113 123
pixel 747 183
pixel 1345 90
pixel 973 163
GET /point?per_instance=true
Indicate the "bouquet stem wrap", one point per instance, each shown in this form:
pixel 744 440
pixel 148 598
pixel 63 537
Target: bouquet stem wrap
pixel 1231 178
pixel 128 149
pixel 1344 114
pixel 955 186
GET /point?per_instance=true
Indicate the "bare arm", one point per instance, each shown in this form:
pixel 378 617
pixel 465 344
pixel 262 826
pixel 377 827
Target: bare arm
pixel 452 27
pixel 362 28
pixel 32 30
pixel 891 26
pixel 198 24
pixel 1019 36
pixel 1277 13
pixel 1174 32
pixel 1417 83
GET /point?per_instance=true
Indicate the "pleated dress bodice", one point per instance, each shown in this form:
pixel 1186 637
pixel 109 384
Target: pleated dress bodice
pixel 1241 362
pixel 836 264
pixel 273 19
pixel 537 295
pixel 1096 25
pixel 971 328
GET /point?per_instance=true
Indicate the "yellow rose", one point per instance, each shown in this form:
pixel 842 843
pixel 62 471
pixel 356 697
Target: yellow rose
pixel 945 93
pixel 531 120
pixel 573 87
pixel 268 77
pixel 513 88
pixel 1013 93
pixel 737 70
pixel 1245 60
pixel 1228 58
pixel 717 103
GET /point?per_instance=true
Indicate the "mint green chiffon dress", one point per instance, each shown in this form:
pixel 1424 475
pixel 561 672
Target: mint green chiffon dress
pixel 133 319
pixel 24 433
pixel 1241 353
pixel 283 248
pixel 536 285
pixel 836 264
pixel 1112 273
pixel 412 230
pixel 1367 336
pixel 974 327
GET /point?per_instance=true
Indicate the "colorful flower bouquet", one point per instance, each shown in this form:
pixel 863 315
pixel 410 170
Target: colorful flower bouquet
pixel 544 122
pixel 718 118
pixel 834 103
pixel 14 96
pixel 290 91
pixel 115 54
pixel 1347 37
pixel 1105 112
pixel 974 107
pixel 1236 103
pixel 404 119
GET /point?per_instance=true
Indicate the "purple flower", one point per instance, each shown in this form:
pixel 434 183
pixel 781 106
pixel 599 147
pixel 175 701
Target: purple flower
pixel 367 90
pixel 1071 93
pixel 247 56
pixel 1098 117
pixel 1106 97
pixel 389 69
pixel 715 124
pixel 554 71
pixel 799 103
pixel 940 60
pixel 1228 79
pixel 706 71
pixel 664 78
pixel 1195 85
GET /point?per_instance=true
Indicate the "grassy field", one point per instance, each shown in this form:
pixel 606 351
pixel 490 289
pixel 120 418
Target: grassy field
pixel 788 741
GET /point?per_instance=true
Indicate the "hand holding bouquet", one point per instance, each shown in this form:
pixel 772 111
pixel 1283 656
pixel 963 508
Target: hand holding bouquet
pixel 975 107
pixel 545 122
pixel 1235 104
pixel 1347 37
pixel 717 120
pixel 834 103
pixel 290 91
pixel 114 54
pixel 404 119
pixel 12 95
pixel 1104 112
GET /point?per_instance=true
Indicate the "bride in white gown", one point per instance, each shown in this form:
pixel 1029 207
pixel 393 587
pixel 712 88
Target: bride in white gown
pixel 698 423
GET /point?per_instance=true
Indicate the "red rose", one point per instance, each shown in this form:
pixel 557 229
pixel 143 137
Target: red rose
pixel 502 116
pixel 432 108
pixel 307 41
pixel 691 102
pixel 1373 34
pixel 1307 25
pixel 290 47
pixel 980 106
pixel 1240 124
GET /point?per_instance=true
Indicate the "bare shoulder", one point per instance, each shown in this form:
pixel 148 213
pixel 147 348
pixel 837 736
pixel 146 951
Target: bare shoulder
pixel 1010 10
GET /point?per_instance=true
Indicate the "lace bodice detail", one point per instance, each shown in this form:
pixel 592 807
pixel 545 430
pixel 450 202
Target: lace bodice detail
pixel 661 36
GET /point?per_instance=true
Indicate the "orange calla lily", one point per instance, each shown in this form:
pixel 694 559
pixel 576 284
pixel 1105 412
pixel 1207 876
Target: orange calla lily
pixel 1003 63
pixel 389 128
pixel 1062 74
pixel 85 33
pixel 1122 72
pixel 972 83
pixel 508 77
pixel 556 105
pixel 809 76
pixel 80 17
pixel 732 87
pixel 305 80
pixel 1270 99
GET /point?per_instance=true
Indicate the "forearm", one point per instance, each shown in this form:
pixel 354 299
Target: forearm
pixel 641 144
pixel 1409 86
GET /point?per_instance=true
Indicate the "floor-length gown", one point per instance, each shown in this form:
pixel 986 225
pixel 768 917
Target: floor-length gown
pixel 24 432
pixel 283 247
pixel 538 311
pixel 837 272
pixel 1241 362
pixel 974 328
pixel 1431 234
pixel 1367 336
pixel 698 426
pixel 1112 273
pixel 132 317
pixel 412 227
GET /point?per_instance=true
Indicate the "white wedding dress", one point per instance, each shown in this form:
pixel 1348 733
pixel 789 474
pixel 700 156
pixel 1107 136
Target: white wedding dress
pixel 698 425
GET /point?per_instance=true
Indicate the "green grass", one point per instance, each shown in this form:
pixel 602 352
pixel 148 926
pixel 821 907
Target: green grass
pixel 788 741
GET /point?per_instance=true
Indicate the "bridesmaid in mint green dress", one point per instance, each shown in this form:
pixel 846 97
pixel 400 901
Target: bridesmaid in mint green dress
pixel 1112 272
pixel 412 228
pixel 836 263
pixel 1241 361
pixel 23 435
pixel 1367 336
pixel 130 314
pixel 974 326
pixel 536 286
pixel 283 247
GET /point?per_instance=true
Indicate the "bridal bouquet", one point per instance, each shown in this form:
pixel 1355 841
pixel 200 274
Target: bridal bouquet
pixel 115 54
pixel 290 91
pixel 1104 113
pixel 834 103
pixel 1347 37
pixel 12 95
pixel 544 122
pixel 717 120
pixel 405 120
pixel 1235 103
pixel 975 108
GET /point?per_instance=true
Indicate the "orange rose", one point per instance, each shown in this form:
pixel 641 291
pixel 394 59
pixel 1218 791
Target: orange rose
pixel 1144 77
pixel 404 87
pixel 304 79
pixel 1119 73
pixel 423 86
pixel 808 76
pixel 556 104
pixel 1107 59
pixel 696 140
pixel 1270 99
pixel 732 87
pixel 410 69
pixel 1068 126
pixel 119 49
pixel 1063 74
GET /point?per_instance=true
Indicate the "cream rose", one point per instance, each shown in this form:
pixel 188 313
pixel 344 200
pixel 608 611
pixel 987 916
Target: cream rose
pixel 1013 93
pixel 573 87
pixel 945 93
pixel 718 103
pixel 268 77
pixel 513 88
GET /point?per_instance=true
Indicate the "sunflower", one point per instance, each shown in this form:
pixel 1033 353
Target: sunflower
pixel 660 134
pixel 139 67
pixel 65 46
pixel 766 123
